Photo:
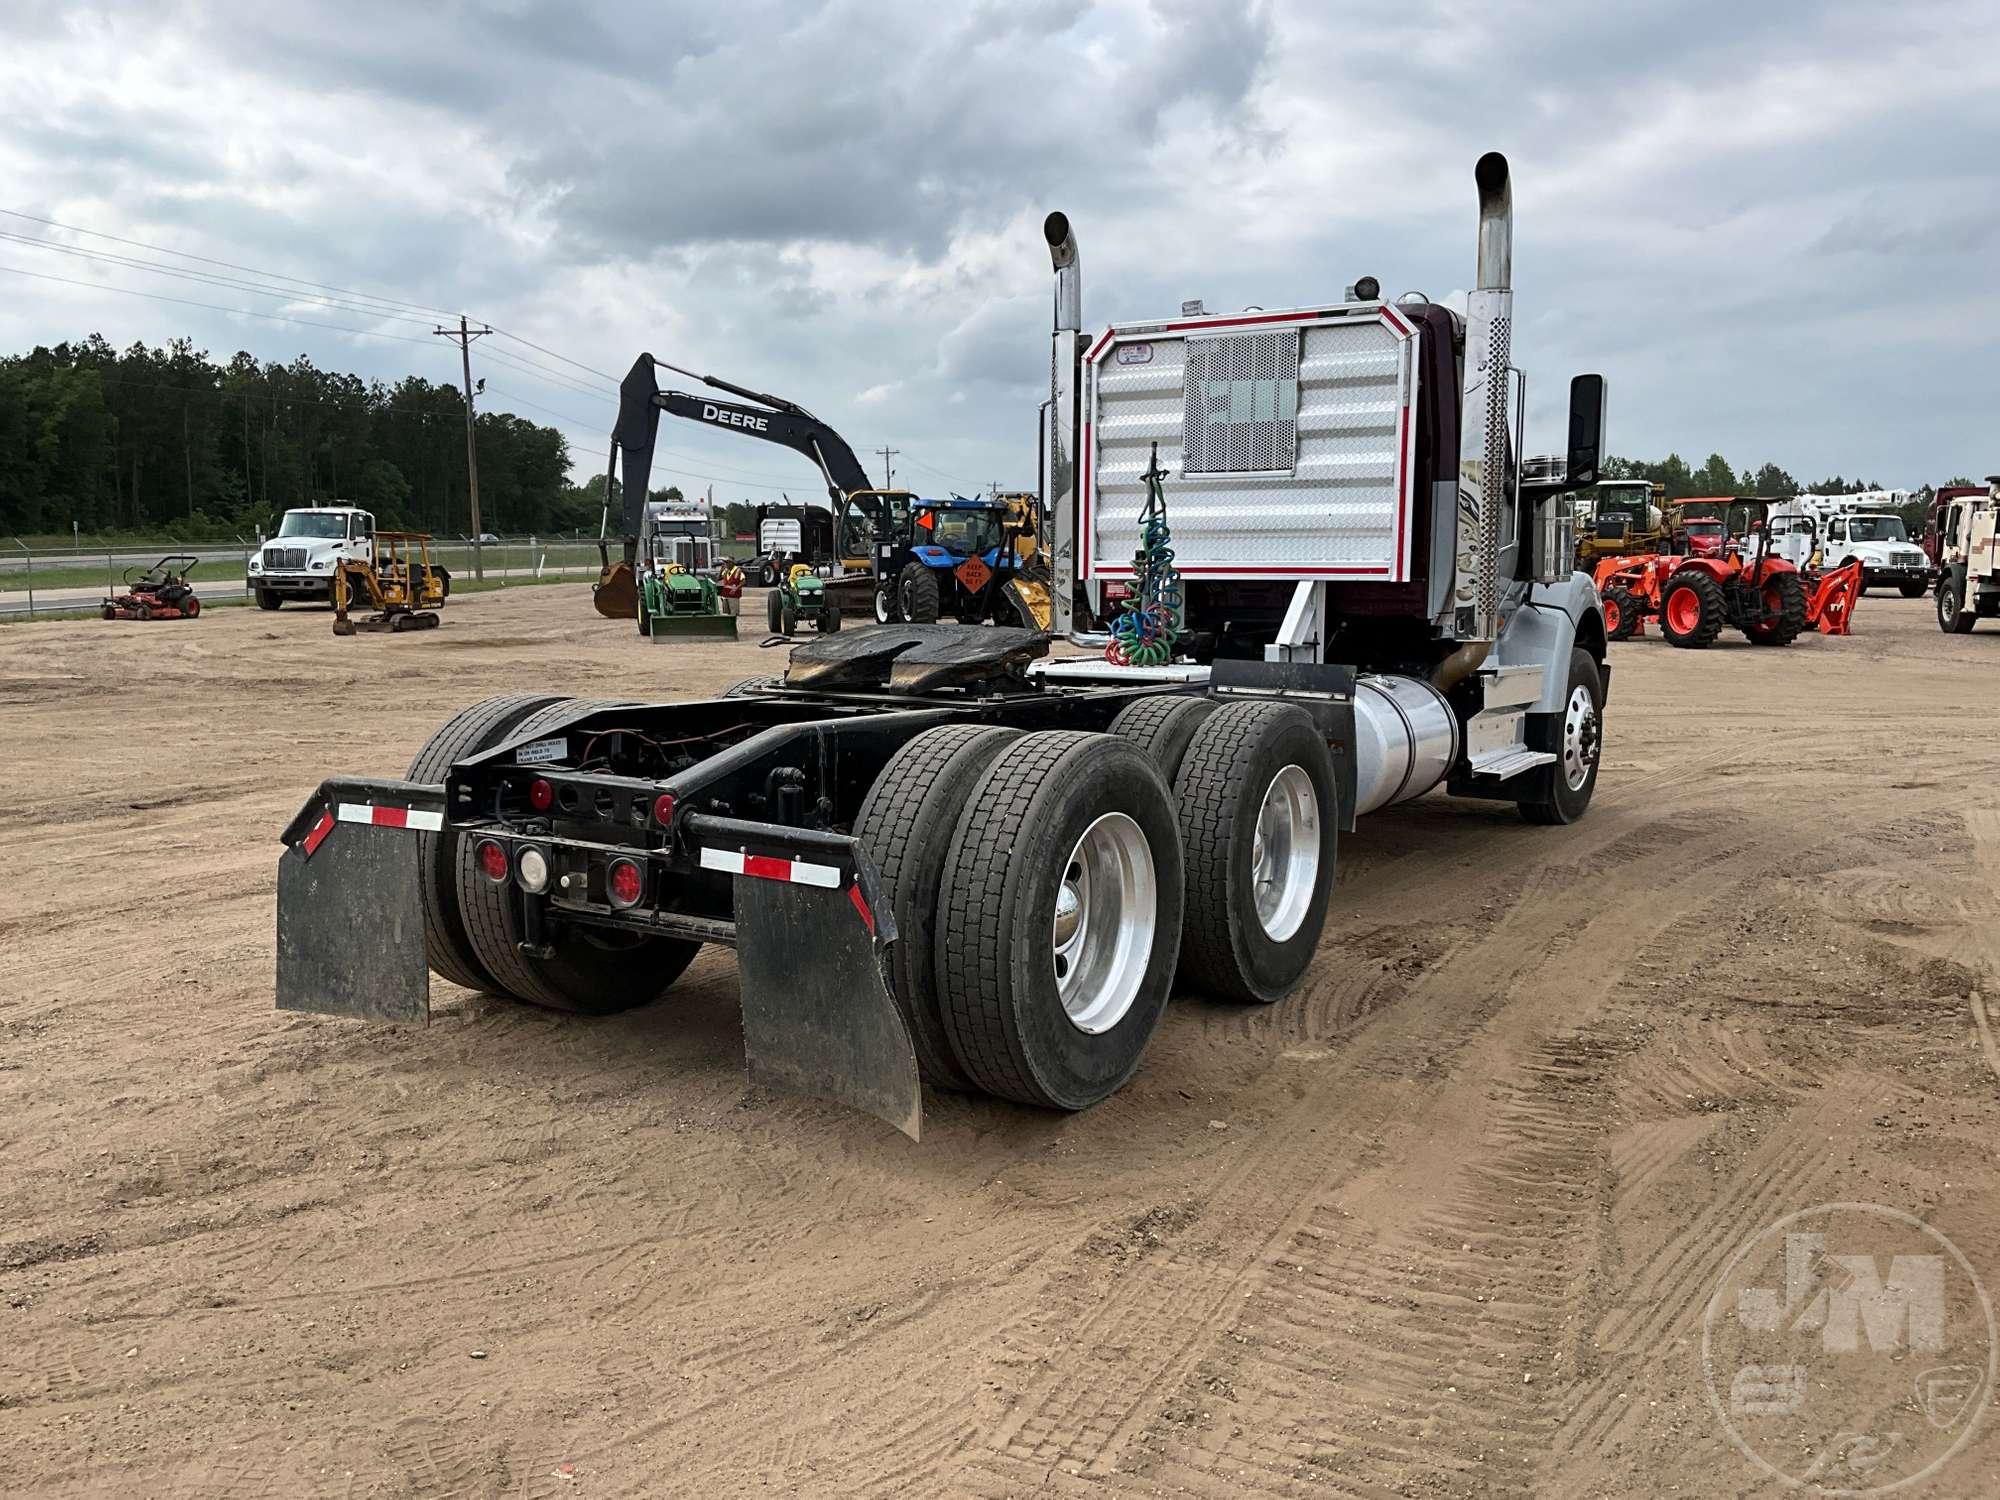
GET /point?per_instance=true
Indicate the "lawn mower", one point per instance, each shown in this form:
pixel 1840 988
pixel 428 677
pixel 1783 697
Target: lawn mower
pixel 162 592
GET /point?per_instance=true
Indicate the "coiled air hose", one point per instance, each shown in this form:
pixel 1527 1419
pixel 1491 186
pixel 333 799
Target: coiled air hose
pixel 1154 612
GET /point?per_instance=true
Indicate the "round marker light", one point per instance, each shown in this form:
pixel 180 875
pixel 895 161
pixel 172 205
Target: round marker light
pixel 533 870
pixel 492 861
pixel 623 883
pixel 663 809
pixel 541 796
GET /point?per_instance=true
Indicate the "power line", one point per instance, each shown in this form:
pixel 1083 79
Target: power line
pixel 553 355
pixel 286 294
pixel 556 379
pixel 950 479
pixel 225 264
pixel 241 312
pixel 888 474
pixel 554 382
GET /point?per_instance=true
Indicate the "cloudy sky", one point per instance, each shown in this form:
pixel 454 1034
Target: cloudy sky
pixel 1775 227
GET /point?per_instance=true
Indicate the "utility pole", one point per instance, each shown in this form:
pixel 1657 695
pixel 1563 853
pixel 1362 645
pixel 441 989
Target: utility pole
pixel 464 335
pixel 888 474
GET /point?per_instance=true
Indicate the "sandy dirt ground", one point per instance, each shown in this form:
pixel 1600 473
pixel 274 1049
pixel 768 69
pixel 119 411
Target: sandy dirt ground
pixel 1444 1223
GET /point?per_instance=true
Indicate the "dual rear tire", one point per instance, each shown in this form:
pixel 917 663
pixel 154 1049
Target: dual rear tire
pixel 1048 887
pixel 473 926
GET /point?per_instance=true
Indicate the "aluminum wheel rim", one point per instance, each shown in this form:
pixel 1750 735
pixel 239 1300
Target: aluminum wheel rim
pixel 1107 907
pixel 1579 750
pixel 1284 853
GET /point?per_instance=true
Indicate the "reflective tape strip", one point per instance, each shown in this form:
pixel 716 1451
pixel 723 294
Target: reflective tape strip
pixel 319 832
pixel 391 817
pixel 797 871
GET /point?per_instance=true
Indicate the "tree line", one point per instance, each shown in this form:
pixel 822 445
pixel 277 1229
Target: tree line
pixel 1716 478
pixel 170 442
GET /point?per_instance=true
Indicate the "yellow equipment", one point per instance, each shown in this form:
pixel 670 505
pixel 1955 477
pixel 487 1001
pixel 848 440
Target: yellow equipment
pixel 1627 516
pixel 1028 589
pixel 398 581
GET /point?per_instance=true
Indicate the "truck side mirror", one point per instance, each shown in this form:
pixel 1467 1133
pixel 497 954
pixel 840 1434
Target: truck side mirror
pixel 1586 429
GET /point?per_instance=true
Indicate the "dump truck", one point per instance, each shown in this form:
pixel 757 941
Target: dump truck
pixel 944 855
pixel 1968 574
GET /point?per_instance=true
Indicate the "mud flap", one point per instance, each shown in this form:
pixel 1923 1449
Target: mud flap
pixel 818 1017
pixel 350 913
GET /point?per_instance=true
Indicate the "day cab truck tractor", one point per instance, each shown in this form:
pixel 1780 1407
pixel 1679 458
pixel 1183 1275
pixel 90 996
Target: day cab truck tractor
pixel 312 541
pixel 943 857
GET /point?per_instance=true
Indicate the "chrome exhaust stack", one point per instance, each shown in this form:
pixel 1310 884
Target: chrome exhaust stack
pixel 1060 479
pixel 1483 493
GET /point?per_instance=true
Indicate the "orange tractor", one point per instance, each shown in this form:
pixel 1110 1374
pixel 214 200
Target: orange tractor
pixel 1759 586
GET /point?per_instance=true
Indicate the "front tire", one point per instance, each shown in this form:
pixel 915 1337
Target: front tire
pixel 1259 819
pixel 1951 615
pixel 829 616
pixel 268 600
pixel 1059 919
pixel 1576 736
pixel 1622 612
pixel 774 612
pixel 1911 588
pixel 887 611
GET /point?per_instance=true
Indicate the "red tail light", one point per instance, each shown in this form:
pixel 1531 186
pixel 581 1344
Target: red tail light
pixel 624 883
pixel 541 796
pixel 663 809
pixel 492 861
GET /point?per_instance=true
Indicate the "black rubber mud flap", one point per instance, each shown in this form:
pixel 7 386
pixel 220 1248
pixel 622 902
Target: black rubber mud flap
pixel 351 917
pixel 818 1017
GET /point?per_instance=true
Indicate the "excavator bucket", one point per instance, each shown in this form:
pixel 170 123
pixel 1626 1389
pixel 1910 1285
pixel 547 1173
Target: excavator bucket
pixel 616 592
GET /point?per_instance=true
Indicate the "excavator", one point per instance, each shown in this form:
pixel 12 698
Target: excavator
pixel 772 418
pixel 892 516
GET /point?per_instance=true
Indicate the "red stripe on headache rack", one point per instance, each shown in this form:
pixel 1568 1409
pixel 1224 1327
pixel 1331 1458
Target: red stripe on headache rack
pixel 319 832
pixel 767 867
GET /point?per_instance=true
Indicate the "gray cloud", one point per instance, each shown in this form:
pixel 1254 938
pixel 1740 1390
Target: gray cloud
pixel 1771 225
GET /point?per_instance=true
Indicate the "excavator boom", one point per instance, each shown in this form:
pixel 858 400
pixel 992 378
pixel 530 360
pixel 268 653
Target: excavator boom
pixel 771 418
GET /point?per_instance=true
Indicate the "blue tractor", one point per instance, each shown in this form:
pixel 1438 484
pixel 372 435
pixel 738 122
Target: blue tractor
pixel 968 560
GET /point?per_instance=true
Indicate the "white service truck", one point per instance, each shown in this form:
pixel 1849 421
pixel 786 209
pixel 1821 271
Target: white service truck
pixel 1860 528
pixel 311 542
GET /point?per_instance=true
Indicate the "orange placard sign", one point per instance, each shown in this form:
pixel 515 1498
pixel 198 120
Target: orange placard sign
pixel 973 574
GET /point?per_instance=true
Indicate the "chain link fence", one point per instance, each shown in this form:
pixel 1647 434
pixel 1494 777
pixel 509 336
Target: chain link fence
pixel 42 581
